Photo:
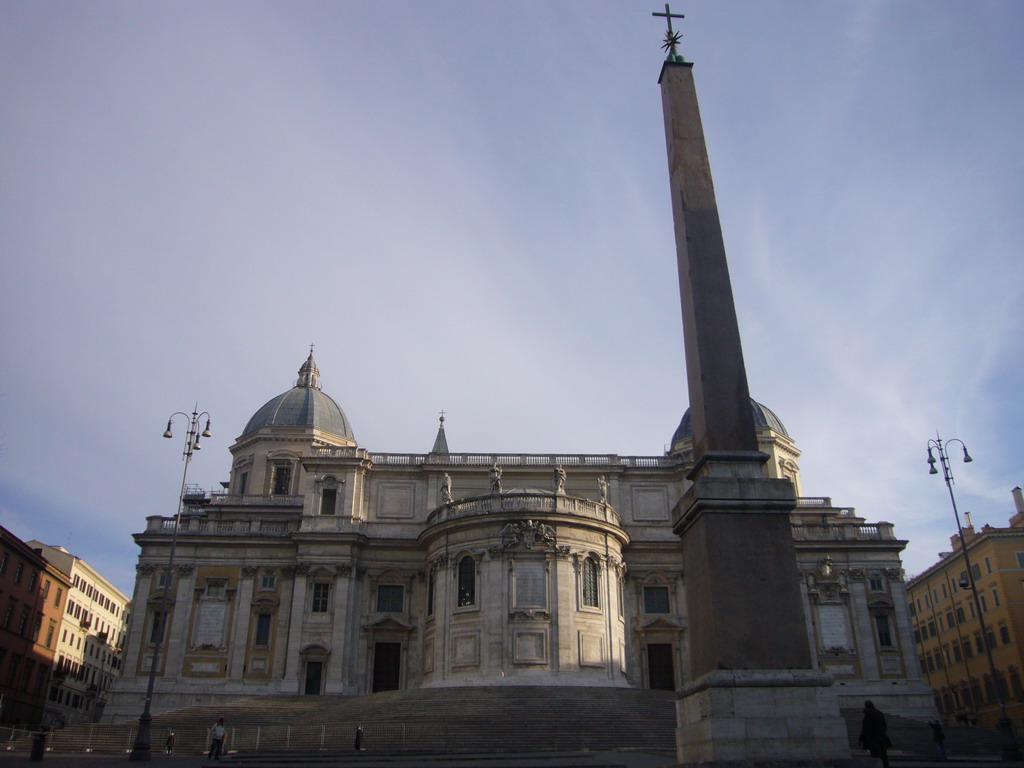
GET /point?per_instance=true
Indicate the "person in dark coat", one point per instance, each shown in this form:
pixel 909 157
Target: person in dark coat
pixel 939 737
pixel 872 734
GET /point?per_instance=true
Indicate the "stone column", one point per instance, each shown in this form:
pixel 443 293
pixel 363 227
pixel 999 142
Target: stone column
pixel 243 615
pixel 752 694
pixel 178 639
pixel 340 649
pixel 290 684
pixel 134 643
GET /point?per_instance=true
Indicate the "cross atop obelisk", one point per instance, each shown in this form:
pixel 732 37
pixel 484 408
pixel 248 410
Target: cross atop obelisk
pixel 672 37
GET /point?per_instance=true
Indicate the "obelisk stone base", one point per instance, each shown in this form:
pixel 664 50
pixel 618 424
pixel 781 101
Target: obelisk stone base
pixel 761 717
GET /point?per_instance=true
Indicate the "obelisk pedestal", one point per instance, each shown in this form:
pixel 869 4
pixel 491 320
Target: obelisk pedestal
pixel 753 695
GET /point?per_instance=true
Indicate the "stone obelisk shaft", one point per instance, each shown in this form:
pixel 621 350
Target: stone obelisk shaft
pixel 751 671
pixel 719 400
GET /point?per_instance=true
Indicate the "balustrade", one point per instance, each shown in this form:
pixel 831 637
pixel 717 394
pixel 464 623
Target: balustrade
pixel 525 502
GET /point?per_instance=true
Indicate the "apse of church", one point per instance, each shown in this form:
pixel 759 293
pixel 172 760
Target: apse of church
pixel 327 568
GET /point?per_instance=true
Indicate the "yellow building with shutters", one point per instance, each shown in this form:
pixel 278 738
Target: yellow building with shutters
pixel 948 633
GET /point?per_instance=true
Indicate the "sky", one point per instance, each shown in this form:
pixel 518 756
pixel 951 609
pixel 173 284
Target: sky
pixel 465 206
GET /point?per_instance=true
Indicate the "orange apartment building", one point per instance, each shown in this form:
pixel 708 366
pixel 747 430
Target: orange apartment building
pixel 32 597
pixel 947 631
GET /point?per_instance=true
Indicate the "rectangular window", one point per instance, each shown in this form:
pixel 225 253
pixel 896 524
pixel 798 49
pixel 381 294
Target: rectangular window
pixel 268 581
pixel 1004 634
pixel 995 597
pixel 949 619
pixel 32 581
pixel 957 655
pixel 215 590
pixel 882 631
pixel 243 483
pixel 1020 559
pixel 968 649
pixel 3 563
pixel 328 501
pixel 262 630
pixel 321 597
pixel 390 598
pixel 978 644
pixel 976 570
pixel 988 565
pixel 945 594
pixel 56 599
pixel 18 572
pixel 23 622
pixel 282 480
pixel 431 581
pixel 931 628
pixel 984 604
pixel 875 584
pixel 656 600
pixel 155 630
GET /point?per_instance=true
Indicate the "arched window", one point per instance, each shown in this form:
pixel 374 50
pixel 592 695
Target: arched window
pixel 589 576
pixel 467 581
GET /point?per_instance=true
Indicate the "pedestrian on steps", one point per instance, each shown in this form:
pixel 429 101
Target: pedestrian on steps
pixel 939 737
pixel 217 740
pixel 872 734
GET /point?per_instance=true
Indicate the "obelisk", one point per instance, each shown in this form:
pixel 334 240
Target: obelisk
pixel 752 692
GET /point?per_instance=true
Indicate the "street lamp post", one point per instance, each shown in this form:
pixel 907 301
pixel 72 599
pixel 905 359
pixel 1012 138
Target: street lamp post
pixel 141 749
pixel 1010 748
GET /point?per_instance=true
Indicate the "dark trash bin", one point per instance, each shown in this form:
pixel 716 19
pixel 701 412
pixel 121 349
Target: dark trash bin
pixel 38 746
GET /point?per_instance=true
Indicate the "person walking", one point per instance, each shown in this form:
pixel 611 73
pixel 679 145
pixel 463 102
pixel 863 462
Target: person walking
pixel 217 740
pixel 939 737
pixel 169 744
pixel 872 733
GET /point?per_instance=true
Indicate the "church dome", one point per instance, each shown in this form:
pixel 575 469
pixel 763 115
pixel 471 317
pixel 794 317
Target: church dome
pixel 763 417
pixel 303 406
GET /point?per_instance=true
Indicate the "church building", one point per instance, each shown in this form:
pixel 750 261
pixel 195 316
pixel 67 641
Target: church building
pixel 327 567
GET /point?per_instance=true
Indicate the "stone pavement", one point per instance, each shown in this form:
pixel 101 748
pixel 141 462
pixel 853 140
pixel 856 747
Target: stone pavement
pixel 395 760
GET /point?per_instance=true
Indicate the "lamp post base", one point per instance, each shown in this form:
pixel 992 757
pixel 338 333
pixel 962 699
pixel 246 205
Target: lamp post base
pixel 141 749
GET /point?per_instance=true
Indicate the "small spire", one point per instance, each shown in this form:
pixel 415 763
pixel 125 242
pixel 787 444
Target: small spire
pixel 440 442
pixel 309 374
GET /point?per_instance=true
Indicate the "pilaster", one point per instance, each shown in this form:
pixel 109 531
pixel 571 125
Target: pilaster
pixel 243 617
pixel 290 684
pixel 178 639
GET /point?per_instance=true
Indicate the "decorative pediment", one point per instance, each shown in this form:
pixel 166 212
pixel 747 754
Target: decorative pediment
pixel 660 623
pixel 314 649
pixel 388 623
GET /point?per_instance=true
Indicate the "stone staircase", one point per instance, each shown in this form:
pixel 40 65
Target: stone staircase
pixel 913 738
pixel 425 720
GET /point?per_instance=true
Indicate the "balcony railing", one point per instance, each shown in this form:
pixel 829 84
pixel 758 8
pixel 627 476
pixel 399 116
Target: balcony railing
pixel 844 532
pixel 502 459
pixel 527 503
pixel 204 526
pixel 256 499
